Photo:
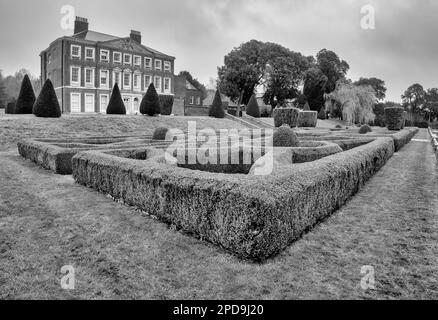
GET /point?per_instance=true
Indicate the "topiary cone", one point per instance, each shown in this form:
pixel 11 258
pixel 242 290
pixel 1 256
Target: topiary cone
pixel 150 104
pixel 217 109
pixel 306 107
pixel 252 109
pixel 47 105
pixel 116 105
pixel 26 98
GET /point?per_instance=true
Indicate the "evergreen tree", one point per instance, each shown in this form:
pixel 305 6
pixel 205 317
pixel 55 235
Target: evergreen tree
pixel 47 105
pixel 150 104
pixel 217 109
pixel 252 109
pixel 116 105
pixel 26 98
pixel 306 107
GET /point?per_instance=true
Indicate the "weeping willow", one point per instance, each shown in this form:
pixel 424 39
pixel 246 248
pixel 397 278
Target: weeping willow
pixel 355 103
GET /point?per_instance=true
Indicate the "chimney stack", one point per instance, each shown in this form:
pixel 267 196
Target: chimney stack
pixel 81 24
pixel 135 35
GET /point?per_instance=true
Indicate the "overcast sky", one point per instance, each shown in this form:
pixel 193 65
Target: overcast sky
pixel 402 49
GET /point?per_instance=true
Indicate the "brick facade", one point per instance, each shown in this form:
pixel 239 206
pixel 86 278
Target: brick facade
pixel 75 66
pixel 193 103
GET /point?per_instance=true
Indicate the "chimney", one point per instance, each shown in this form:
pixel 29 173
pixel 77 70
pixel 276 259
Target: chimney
pixel 81 24
pixel 135 35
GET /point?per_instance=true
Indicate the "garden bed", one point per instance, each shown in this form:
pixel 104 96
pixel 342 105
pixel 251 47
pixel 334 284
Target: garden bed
pixel 253 217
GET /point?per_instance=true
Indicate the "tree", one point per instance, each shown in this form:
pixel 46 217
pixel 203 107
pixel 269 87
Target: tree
pixel 47 105
pixel 315 82
pixel 356 102
pixel 26 98
pixel 3 97
pixel 431 102
pixel 194 82
pixel 217 109
pixel 377 84
pixel 332 67
pixel 414 98
pixel 150 104
pixel 116 105
pixel 252 109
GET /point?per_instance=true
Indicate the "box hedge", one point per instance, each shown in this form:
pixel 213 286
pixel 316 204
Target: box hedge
pixel 287 116
pixel 253 217
pixel 394 118
pixel 307 119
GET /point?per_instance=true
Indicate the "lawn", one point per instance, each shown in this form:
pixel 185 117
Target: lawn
pixel 48 221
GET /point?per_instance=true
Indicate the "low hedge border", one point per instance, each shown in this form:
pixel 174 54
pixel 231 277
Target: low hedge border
pixel 56 154
pixel 254 217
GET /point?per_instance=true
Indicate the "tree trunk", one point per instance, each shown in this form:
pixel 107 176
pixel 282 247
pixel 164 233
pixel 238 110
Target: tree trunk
pixel 239 103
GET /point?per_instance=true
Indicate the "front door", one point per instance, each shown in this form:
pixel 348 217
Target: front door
pixel 136 106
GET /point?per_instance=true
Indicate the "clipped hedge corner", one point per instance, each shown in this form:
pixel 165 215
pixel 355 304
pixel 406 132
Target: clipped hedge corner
pixel 287 116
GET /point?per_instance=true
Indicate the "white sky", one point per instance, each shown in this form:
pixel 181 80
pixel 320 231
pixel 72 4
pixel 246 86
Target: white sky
pixel 401 50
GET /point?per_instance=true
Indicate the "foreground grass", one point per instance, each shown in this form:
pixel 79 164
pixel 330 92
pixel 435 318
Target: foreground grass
pixel 48 221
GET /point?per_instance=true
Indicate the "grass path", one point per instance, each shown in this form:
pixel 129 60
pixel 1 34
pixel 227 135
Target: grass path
pixel 47 221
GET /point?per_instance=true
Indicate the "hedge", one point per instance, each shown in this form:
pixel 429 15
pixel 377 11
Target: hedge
pixel 217 109
pixel 26 98
pixel 395 118
pixel 150 104
pixel 287 116
pixel 166 103
pixel 285 137
pixel 253 217
pixel 252 109
pixel 47 105
pixel 307 119
pixel 10 108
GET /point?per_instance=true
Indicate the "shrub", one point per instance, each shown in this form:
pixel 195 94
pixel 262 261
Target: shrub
pixel 47 105
pixel 287 116
pixel 338 126
pixel 307 119
pixel 26 98
pixel 321 114
pixel 166 103
pixel 306 107
pixel 252 109
pixel 405 117
pixel 160 133
pixel 116 105
pixel 217 109
pixel 285 137
pixel 394 117
pixel 10 108
pixel 150 104
pixel 423 124
pixel 365 129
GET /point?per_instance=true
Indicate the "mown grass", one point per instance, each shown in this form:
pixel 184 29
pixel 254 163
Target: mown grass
pixel 48 221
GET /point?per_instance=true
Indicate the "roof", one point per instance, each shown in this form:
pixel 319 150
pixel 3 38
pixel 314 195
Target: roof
pixel 208 101
pixel 94 36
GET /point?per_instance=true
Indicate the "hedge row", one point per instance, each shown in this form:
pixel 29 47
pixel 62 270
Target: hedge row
pixel 307 119
pixel 254 217
pixel 287 116
pixel 395 118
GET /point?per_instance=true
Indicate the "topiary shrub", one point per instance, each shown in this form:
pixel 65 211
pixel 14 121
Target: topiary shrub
pixel 26 98
pixel 252 109
pixel 10 108
pixel 306 107
pixel 321 114
pixel 160 133
pixel 307 119
pixel 365 129
pixel 338 126
pixel 47 105
pixel 150 104
pixel 287 116
pixel 217 109
pixel 285 137
pixel 166 103
pixel 394 118
pixel 116 105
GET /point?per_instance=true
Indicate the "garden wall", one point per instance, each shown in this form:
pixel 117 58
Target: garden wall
pixel 254 217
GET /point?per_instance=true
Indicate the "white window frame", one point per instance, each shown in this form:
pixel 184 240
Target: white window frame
pixel 92 83
pixel 94 53
pixel 114 59
pixel 75 83
pixel 120 76
pixel 85 102
pixel 80 101
pixel 79 51
pixel 160 63
pixel 139 61
pixel 130 59
pixel 102 110
pixel 49 58
pixel 147 84
pixel 167 66
pixel 107 55
pixel 169 90
pixel 159 89
pixel 192 100
pixel 138 87
pixel 127 87
pixel 105 85
pixel 146 65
